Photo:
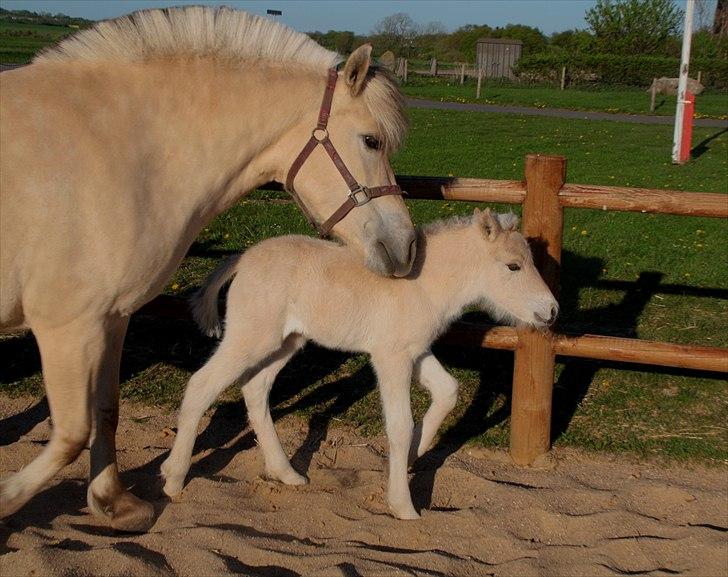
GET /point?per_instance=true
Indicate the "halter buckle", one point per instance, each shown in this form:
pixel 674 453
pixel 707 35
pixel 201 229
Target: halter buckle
pixel 360 195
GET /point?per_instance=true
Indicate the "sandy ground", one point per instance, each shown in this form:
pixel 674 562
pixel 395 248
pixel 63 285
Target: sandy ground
pixel 580 515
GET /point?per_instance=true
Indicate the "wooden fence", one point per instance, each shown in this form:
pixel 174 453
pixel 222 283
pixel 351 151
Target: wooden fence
pixel 544 195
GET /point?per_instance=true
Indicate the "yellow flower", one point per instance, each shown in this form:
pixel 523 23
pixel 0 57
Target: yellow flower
pixel 175 286
pixel 584 233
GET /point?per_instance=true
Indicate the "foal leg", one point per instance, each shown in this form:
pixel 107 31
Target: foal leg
pixel 394 374
pixel 256 393
pixel 443 389
pixel 231 359
pixel 106 496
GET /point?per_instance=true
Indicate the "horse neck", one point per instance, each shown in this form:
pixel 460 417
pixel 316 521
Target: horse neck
pixel 219 126
pixel 450 275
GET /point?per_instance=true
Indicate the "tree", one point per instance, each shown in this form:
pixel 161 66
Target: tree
pixel 573 42
pixel 635 26
pixel 397 31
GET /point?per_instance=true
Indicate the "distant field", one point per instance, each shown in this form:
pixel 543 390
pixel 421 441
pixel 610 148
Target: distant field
pixel 19 42
pixel 711 104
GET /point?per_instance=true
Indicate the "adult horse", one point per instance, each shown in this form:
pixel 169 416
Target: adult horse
pixel 119 145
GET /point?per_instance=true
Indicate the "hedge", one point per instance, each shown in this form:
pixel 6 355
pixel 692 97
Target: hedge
pixel 617 69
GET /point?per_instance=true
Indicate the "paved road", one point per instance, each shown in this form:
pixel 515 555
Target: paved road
pixel 559 113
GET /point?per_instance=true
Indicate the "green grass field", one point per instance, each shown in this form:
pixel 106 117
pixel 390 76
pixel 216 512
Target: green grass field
pixel 711 104
pixel 19 42
pixel 654 277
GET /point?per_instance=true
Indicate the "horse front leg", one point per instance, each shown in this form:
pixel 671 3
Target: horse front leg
pixel 75 360
pixel 443 389
pixel 106 496
pixel 394 373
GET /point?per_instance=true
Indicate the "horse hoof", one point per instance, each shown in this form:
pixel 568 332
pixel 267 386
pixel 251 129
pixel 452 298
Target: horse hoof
pixel 131 514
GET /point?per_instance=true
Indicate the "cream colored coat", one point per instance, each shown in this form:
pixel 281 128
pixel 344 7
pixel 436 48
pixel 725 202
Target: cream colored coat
pixel 291 289
pixel 117 147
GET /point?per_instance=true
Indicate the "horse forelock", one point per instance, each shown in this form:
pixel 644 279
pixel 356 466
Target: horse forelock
pixel 386 104
pixel 216 32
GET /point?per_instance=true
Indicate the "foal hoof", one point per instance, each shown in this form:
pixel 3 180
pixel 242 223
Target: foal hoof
pixel 131 514
pixel 406 513
pixel 288 477
pixel 10 499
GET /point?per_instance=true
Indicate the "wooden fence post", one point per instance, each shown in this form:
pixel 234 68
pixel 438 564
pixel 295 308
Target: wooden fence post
pixel 653 93
pixel 462 74
pixel 480 80
pixel 404 77
pixel 533 371
pixel 563 77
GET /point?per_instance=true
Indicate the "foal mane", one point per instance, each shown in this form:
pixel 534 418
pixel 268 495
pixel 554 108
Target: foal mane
pixel 227 35
pixel 218 32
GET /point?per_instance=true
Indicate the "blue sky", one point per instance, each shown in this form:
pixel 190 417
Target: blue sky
pixel 360 16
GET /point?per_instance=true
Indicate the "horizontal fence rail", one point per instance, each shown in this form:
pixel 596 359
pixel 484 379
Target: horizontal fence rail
pixel 544 194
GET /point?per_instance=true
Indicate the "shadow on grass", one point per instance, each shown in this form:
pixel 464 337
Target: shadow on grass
pixel 702 147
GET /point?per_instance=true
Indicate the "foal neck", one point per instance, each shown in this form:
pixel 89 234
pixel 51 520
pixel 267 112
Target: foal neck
pixel 449 274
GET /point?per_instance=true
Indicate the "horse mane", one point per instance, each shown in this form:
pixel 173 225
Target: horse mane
pixel 445 224
pixel 227 35
pixel 218 32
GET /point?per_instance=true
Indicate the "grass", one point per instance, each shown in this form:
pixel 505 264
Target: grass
pixel 711 104
pixel 655 277
pixel 20 42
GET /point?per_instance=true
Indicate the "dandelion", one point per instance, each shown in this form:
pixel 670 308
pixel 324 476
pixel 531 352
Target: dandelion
pixel 227 235
pixel 175 286
pixel 584 233
pixel 687 274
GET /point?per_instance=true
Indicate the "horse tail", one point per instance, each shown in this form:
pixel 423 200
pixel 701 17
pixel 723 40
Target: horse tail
pixel 204 302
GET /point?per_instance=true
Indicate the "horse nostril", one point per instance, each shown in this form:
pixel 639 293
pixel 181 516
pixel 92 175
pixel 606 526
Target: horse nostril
pixel 412 252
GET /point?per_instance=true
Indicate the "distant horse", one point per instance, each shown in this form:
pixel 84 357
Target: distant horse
pixel 120 144
pixel 290 289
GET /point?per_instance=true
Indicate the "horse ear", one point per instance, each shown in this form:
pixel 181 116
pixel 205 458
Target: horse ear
pixel 356 67
pixel 488 223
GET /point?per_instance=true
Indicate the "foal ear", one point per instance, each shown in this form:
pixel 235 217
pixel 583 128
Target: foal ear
pixel 488 222
pixel 508 221
pixel 356 67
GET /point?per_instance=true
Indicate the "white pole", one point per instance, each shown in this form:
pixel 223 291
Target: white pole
pixel 683 81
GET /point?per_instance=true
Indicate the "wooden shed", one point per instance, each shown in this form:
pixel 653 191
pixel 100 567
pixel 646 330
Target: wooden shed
pixel 497 56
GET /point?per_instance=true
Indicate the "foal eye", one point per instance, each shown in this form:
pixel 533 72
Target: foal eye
pixel 514 267
pixel 372 142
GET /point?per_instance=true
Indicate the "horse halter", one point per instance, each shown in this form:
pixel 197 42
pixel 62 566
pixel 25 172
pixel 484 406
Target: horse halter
pixel 358 195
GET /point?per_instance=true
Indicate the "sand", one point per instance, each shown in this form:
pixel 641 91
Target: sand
pixel 579 515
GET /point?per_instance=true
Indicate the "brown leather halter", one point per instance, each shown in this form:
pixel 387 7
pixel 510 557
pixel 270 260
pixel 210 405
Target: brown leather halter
pixel 358 195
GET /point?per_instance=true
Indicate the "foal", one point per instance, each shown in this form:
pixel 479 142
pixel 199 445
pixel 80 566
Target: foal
pixel 290 289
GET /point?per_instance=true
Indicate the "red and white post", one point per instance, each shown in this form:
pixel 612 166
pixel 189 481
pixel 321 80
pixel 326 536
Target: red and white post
pixel 682 138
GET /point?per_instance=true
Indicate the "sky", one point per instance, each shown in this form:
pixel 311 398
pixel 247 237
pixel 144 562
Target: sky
pixel 360 16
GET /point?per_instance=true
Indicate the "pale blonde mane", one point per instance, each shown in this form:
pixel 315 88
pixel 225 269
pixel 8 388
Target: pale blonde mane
pixel 227 35
pixel 445 224
pixel 219 32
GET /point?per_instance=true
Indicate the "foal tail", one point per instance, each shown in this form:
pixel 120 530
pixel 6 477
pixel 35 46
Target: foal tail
pixel 205 301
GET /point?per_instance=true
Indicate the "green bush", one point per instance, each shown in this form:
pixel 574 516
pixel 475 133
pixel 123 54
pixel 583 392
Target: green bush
pixel 618 69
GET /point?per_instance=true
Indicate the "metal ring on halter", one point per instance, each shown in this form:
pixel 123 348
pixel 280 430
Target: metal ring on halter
pixel 320 130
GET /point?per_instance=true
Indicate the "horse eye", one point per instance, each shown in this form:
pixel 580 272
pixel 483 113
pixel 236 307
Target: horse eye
pixel 372 142
pixel 514 267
